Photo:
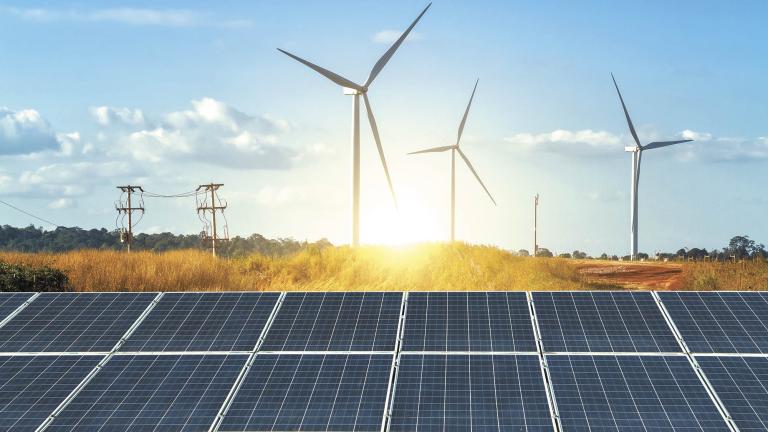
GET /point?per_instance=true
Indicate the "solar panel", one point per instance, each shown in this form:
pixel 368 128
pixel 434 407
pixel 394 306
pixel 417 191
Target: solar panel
pixel 31 387
pixel 728 322
pixel 741 383
pixel 203 322
pixel 602 322
pixel 470 392
pixel 631 393
pixel 73 322
pixel 10 301
pixel 335 321
pixel 153 393
pixel 468 321
pixel 338 392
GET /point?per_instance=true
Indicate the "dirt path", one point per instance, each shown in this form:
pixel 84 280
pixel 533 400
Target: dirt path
pixel 634 275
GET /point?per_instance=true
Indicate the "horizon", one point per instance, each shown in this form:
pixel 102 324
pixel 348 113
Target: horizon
pixel 170 95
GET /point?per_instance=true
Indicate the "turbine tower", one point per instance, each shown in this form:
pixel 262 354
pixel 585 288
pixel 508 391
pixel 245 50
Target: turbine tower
pixel 637 154
pixel 357 90
pixel 456 149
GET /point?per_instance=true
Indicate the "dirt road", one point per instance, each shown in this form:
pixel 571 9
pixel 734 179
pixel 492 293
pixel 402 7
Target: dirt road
pixel 634 275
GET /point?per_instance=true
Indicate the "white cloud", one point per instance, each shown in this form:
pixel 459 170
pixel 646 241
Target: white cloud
pixel 390 36
pixel 709 148
pixel 696 136
pixel 582 142
pixel 128 16
pixel 69 179
pixel 61 203
pixel 25 132
pixel 106 116
pixel 275 196
pixel 210 132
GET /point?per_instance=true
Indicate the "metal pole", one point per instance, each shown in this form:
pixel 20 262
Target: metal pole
pixel 213 207
pixel 535 225
pixel 356 170
pixel 130 223
pixel 453 195
pixel 633 215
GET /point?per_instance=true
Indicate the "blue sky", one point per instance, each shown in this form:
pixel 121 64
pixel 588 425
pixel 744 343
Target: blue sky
pixel 173 94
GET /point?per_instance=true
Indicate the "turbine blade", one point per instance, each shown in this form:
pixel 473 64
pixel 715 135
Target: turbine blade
pixel 391 51
pixel 433 150
pixel 471 168
pixel 338 79
pixel 654 145
pixel 626 113
pixel 637 168
pixel 466 112
pixel 375 131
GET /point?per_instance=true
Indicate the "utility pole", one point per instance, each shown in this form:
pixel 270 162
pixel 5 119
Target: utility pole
pixel 535 224
pixel 212 188
pixel 128 210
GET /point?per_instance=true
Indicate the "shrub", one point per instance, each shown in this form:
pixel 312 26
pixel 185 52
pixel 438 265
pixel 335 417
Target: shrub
pixel 18 278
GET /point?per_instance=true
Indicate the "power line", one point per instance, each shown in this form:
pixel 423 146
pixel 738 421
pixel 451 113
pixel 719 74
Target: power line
pixel 29 214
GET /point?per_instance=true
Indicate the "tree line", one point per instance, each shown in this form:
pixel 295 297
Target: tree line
pixel 739 248
pixel 63 239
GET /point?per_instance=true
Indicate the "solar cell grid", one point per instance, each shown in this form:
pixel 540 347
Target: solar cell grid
pixel 468 321
pixel 335 321
pixel 31 387
pixel 602 321
pixel 9 302
pixel 333 392
pixel 620 393
pixel 153 393
pixel 470 392
pixel 58 322
pixel 713 322
pixel 741 383
pixel 203 322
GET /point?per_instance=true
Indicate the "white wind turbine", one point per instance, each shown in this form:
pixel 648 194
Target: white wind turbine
pixel 357 90
pixel 456 149
pixel 637 154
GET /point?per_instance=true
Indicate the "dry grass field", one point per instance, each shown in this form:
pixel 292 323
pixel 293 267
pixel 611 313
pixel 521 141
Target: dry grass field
pixel 436 267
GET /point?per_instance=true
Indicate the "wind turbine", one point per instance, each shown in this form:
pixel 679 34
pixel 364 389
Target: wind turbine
pixel 357 90
pixel 456 149
pixel 637 154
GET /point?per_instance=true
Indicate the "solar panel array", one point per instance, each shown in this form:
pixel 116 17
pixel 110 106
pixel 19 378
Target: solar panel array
pixel 675 361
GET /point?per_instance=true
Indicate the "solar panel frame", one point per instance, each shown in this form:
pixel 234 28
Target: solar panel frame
pixel 152 393
pixel 335 321
pixel 31 387
pixel 470 392
pixel 203 322
pixel 73 322
pixel 741 384
pixel 631 392
pixel 602 322
pixel 9 302
pixel 468 322
pixel 311 392
pixel 720 322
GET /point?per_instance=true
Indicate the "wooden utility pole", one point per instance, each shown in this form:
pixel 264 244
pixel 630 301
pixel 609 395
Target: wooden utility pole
pixel 129 209
pixel 535 224
pixel 212 188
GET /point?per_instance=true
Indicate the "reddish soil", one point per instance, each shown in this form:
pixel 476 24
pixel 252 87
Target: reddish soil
pixel 633 275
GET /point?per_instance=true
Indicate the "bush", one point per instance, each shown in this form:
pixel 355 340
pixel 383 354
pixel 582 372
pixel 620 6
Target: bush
pixel 18 278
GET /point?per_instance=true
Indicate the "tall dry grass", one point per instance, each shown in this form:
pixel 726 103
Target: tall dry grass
pixel 728 276
pixel 426 267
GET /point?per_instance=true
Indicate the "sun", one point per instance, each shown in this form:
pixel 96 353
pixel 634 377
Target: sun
pixel 413 223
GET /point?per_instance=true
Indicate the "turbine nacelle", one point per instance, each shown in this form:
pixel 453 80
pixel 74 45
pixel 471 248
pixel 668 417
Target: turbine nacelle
pixel 632 149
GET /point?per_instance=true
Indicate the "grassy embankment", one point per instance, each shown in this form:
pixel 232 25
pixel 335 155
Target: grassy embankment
pixel 422 267
pixel 436 267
